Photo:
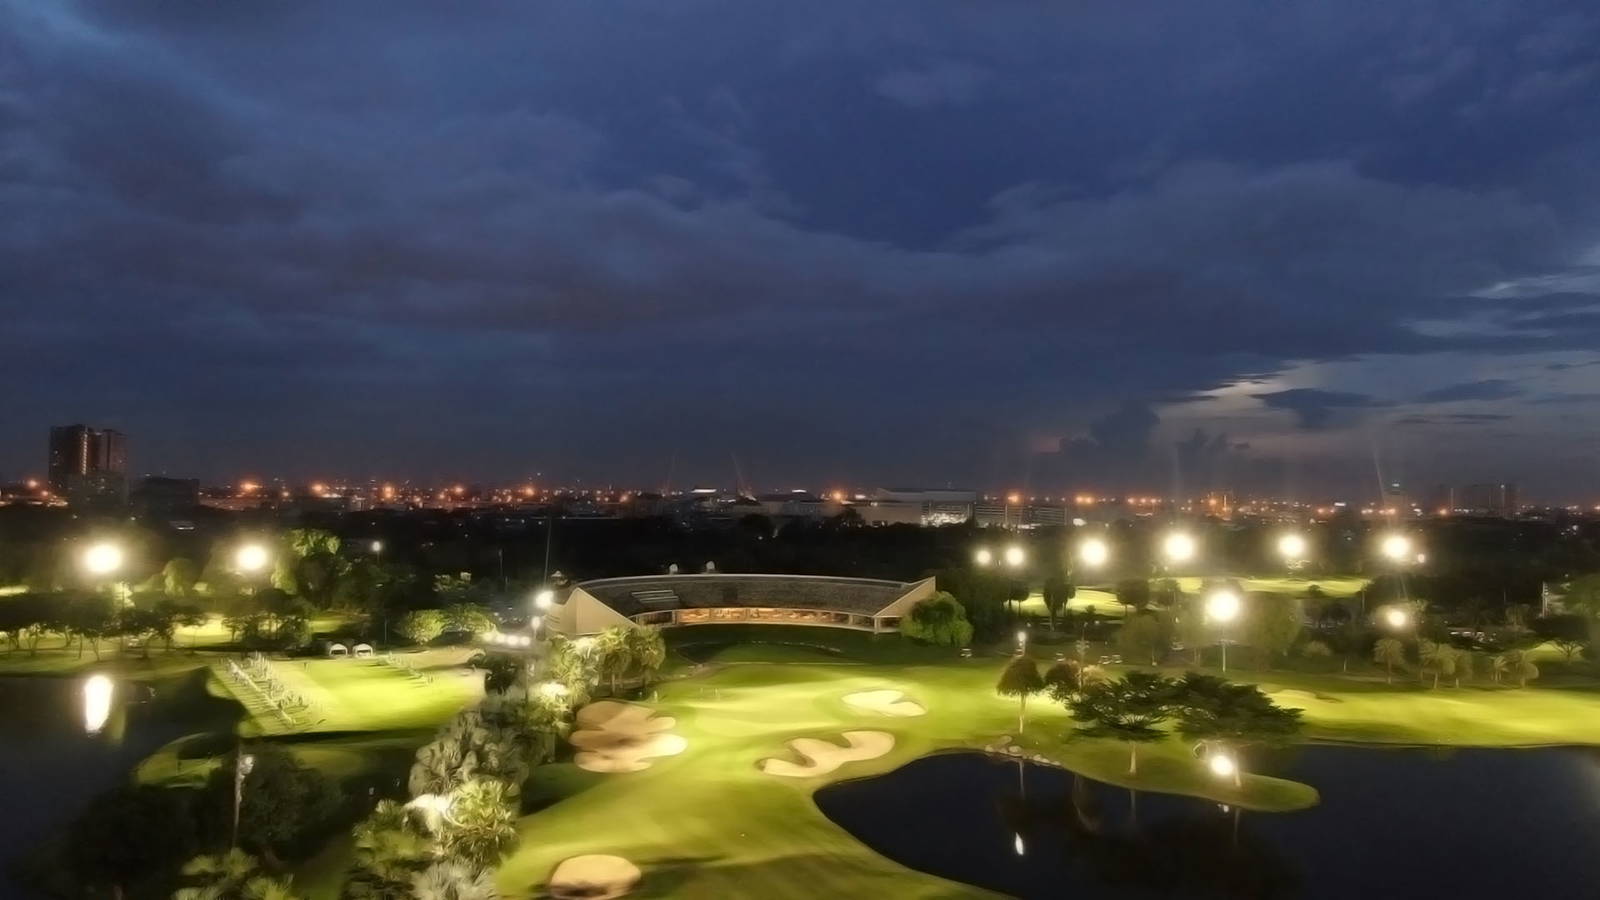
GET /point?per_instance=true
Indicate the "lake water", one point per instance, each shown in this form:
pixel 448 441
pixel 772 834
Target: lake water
pixel 1412 824
pixel 50 768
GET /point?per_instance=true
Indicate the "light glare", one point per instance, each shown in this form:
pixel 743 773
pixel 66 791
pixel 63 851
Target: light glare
pixel 1094 552
pixel 103 559
pixel 1179 547
pixel 97 692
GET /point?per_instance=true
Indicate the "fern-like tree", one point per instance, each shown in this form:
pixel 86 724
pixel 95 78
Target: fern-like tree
pixel 1389 652
pixel 453 881
pixel 1211 709
pixel 234 875
pixel 1019 679
pixel 480 828
pixel 1130 709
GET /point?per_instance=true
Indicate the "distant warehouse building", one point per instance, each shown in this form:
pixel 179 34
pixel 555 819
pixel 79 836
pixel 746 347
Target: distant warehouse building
pixel 860 604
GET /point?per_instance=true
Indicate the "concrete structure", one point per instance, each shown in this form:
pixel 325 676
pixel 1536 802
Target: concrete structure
pixel 862 604
pixel 88 464
pixel 912 506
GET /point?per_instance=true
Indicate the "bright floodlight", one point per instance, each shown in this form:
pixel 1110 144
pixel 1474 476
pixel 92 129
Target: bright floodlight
pixel 250 558
pixel 1221 765
pixel 377 546
pixel 1014 556
pixel 102 559
pixel 983 557
pixel 1179 547
pixel 1094 553
pixel 1018 846
pixel 1396 546
pixel 1292 547
pixel 97 693
pixel 1395 617
pixel 543 599
pixel 1222 606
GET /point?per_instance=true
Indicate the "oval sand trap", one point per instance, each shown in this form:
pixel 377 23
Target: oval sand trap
pixel 822 757
pixel 592 877
pixel 622 737
pixel 884 703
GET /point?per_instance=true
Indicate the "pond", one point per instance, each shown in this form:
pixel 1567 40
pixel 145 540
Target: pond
pixel 1463 825
pixel 50 768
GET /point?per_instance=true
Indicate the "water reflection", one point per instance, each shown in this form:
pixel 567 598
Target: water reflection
pixel 1468 824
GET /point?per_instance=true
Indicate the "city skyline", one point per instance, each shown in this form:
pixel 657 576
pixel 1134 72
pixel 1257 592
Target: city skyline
pixel 1289 249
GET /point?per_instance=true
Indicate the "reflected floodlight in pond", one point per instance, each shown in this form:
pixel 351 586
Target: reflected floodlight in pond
pixel 97 692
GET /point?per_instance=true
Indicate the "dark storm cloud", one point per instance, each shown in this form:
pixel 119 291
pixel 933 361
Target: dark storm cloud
pixel 1314 408
pixel 1487 389
pixel 785 228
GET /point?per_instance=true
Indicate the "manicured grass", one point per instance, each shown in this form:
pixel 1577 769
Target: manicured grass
pixel 1331 585
pixel 364 695
pixel 704 824
pixel 1104 603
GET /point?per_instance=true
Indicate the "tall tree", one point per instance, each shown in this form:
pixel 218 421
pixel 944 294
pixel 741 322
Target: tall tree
pixel 1139 638
pixel 1130 709
pixel 938 619
pixel 1019 679
pixel 1437 659
pixel 1209 708
pixel 1058 591
pixel 1389 652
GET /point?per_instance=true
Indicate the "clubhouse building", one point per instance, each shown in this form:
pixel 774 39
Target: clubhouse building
pixel 860 604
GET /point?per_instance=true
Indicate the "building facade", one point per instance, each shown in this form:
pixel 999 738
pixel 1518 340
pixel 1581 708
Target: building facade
pixel 88 465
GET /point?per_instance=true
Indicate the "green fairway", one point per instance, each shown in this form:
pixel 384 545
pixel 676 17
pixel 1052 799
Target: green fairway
pixel 362 694
pixel 1104 604
pixel 704 823
pixel 1331 585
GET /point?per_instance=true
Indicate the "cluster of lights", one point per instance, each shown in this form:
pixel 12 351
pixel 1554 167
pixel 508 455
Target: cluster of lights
pixel 511 640
pixel 1013 556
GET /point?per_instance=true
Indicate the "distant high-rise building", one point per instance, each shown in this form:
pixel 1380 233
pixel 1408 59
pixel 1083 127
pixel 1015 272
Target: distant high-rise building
pixel 1493 499
pixel 88 464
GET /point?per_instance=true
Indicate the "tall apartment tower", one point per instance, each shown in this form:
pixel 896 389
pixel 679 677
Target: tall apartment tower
pixel 88 464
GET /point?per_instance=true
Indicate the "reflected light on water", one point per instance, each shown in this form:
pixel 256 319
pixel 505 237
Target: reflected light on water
pixel 97 693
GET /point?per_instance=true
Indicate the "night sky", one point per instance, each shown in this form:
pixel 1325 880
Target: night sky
pixel 1041 245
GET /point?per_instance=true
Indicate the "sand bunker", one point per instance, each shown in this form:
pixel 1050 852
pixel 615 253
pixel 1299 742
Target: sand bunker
pixel 884 703
pixel 593 877
pixel 621 737
pixel 822 757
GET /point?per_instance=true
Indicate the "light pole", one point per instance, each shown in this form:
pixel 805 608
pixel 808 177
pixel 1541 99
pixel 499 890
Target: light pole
pixel 1223 607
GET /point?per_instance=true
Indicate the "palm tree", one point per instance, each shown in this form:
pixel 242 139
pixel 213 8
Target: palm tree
pixel 481 826
pixel 616 653
pixel 649 651
pixel 1389 652
pixel 1466 662
pixel 235 874
pixel 1520 664
pixel 1440 659
pixel 453 881
pixel 1499 666
pixel 1019 679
